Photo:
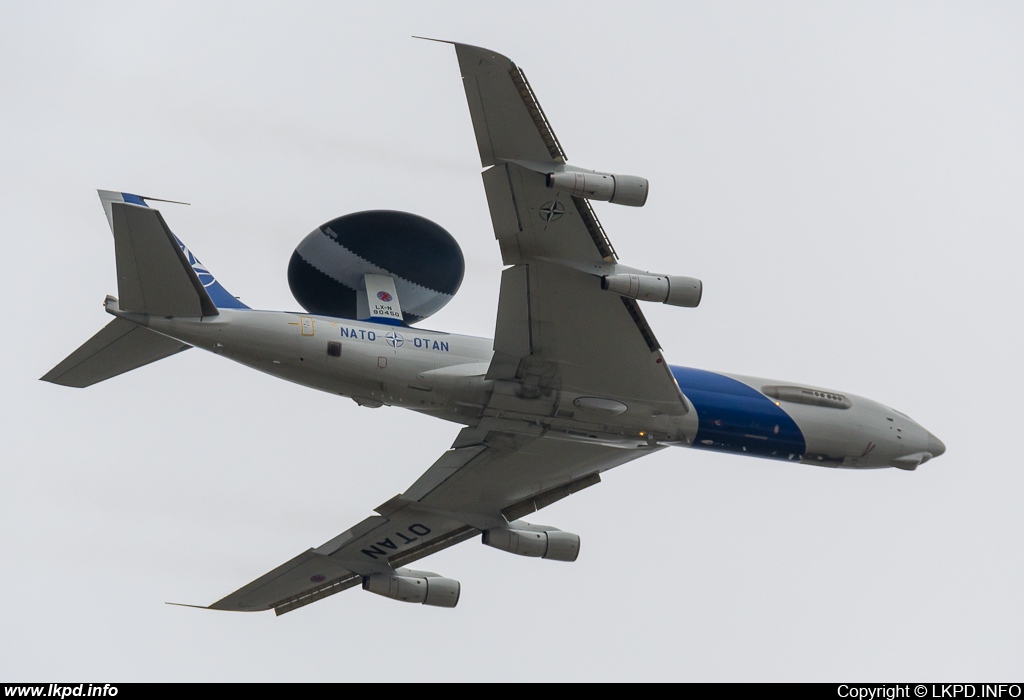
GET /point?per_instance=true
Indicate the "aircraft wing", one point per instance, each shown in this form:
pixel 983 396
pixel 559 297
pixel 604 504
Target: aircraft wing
pixel 487 479
pixel 557 329
pixel 560 338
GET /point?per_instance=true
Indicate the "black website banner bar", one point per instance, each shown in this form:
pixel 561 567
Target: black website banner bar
pixel 823 691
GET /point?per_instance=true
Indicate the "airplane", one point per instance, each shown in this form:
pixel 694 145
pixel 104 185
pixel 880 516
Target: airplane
pixel 573 383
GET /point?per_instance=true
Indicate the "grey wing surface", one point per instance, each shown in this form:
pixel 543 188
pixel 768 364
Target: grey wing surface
pixel 485 480
pixel 557 329
pixel 561 342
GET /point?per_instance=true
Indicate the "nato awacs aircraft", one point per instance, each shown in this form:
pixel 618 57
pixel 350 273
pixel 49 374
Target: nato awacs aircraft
pixel 541 418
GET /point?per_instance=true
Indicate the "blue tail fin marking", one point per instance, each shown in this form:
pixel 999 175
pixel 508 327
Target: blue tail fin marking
pixel 222 298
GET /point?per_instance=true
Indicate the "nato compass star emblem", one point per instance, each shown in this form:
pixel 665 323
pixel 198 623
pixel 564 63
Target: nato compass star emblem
pixel 394 339
pixel 552 211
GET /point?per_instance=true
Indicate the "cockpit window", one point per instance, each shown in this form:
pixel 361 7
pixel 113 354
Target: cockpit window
pixel 806 395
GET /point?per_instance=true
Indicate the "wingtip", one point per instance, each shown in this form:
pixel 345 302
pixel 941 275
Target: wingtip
pixel 428 38
pixel 188 605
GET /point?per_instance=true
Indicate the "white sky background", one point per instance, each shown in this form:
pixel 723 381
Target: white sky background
pixel 846 179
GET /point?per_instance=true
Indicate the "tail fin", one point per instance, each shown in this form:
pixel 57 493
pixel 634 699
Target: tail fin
pixel 120 347
pixel 156 275
pixel 140 243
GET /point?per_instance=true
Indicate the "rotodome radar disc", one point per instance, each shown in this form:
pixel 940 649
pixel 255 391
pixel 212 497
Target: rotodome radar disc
pixel 327 267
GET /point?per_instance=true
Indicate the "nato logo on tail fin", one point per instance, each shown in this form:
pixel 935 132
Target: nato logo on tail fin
pixel 156 275
pixel 221 297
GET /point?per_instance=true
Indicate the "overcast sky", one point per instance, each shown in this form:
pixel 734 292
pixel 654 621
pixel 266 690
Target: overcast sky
pixel 846 178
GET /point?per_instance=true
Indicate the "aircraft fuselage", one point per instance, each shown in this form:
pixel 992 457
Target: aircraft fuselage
pixel 444 375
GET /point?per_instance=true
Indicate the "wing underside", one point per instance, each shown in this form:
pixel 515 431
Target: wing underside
pixel 487 479
pixel 559 336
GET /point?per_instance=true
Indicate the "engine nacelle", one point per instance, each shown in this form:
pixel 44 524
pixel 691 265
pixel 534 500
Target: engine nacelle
pixel 617 189
pixel 668 289
pixel 546 544
pixel 415 587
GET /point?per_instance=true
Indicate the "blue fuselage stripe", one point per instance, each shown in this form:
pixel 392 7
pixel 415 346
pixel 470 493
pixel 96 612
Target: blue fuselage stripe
pixel 733 417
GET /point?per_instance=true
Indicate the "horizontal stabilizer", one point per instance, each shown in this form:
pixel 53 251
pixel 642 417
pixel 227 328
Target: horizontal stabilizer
pixel 120 347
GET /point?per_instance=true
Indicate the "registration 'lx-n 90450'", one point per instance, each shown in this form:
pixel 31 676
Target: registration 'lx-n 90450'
pixel 541 419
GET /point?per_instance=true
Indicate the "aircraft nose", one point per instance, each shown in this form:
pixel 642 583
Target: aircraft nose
pixel 935 445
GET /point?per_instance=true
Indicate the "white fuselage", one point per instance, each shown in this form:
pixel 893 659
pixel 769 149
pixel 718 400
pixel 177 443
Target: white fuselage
pixel 443 375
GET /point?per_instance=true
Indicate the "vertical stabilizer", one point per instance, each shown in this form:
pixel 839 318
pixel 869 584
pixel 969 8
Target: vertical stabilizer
pixel 221 297
pixel 153 275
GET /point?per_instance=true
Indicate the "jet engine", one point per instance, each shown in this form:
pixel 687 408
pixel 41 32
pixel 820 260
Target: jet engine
pixel 546 543
pixel 411 586
pixel 617 189
pixel 327 272
pixel 668 289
